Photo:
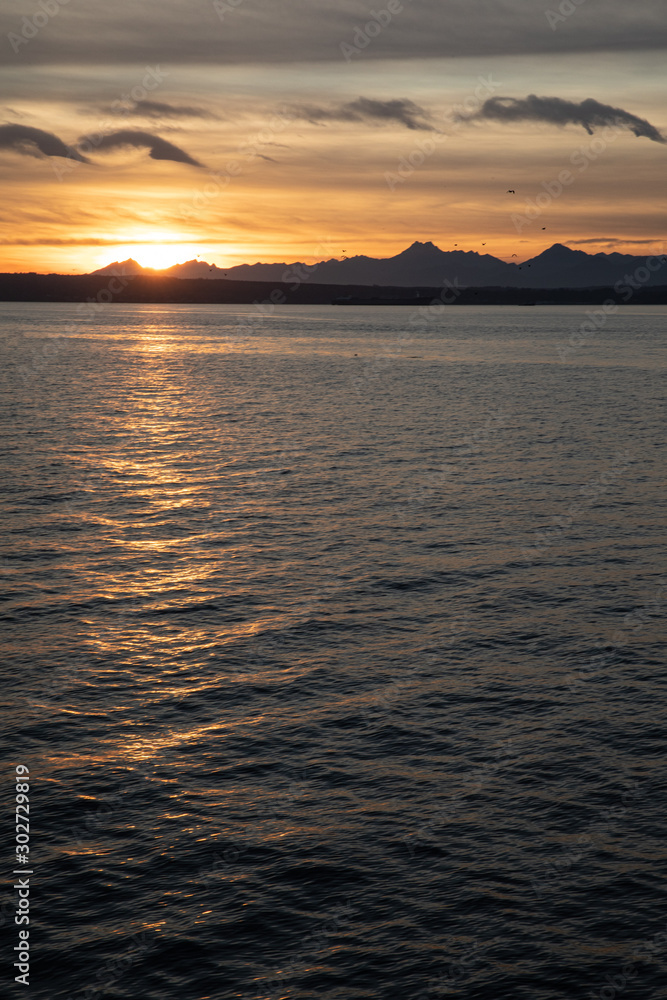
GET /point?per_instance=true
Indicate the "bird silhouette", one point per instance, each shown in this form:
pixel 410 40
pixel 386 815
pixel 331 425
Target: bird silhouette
pixel 511 192
pixel 514 255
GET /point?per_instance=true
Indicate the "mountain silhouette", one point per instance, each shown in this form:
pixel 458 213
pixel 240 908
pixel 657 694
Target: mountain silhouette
pixel 424 264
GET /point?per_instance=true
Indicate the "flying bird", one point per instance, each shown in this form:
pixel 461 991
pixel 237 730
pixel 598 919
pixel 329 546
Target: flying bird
pixel 511 192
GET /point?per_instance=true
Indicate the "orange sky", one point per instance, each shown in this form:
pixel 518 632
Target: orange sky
pixel 288 173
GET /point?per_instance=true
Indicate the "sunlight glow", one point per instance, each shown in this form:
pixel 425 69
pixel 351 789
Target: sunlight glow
pixel 164 255
pixel 159 253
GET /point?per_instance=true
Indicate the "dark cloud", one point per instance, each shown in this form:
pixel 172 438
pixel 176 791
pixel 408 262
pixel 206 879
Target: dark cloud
pixel 590 114
pixel 263 31
pixel 365 109
pixel 614 241
pixel 159 149
pixel 160 109
pixel 156 109
pixel 34 141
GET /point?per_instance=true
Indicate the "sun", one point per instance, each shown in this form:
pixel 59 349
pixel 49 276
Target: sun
pixel 160 256
pixel 160 250
pixel 157 250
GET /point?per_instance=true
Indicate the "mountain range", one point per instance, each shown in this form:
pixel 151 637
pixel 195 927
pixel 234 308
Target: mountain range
pixel 424 264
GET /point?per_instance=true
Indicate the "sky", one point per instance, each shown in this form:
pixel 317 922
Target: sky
pixel 245 130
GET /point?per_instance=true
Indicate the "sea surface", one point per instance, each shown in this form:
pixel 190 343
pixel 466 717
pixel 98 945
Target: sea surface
pixel 334 646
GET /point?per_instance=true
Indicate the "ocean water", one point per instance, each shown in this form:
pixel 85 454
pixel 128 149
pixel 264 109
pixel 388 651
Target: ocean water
pixel 333 644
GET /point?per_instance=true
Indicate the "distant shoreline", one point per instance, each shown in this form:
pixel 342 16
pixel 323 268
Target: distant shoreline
pixel 105 289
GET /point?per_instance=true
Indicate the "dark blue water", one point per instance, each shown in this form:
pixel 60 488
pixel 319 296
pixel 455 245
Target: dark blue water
pixel 334 648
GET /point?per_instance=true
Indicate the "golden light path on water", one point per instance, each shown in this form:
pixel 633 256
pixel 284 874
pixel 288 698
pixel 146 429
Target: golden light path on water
pixel 157 486
pixel 308 617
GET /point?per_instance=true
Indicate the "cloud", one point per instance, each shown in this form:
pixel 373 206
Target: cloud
pixel 556 111
pixel 159 149
pixel 89 241
pixel 157 109
pixel 365 109
pixel 33 141
pixel 262 32
pixel 614 241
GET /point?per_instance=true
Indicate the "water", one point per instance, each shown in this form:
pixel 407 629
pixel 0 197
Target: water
pixel 333 647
